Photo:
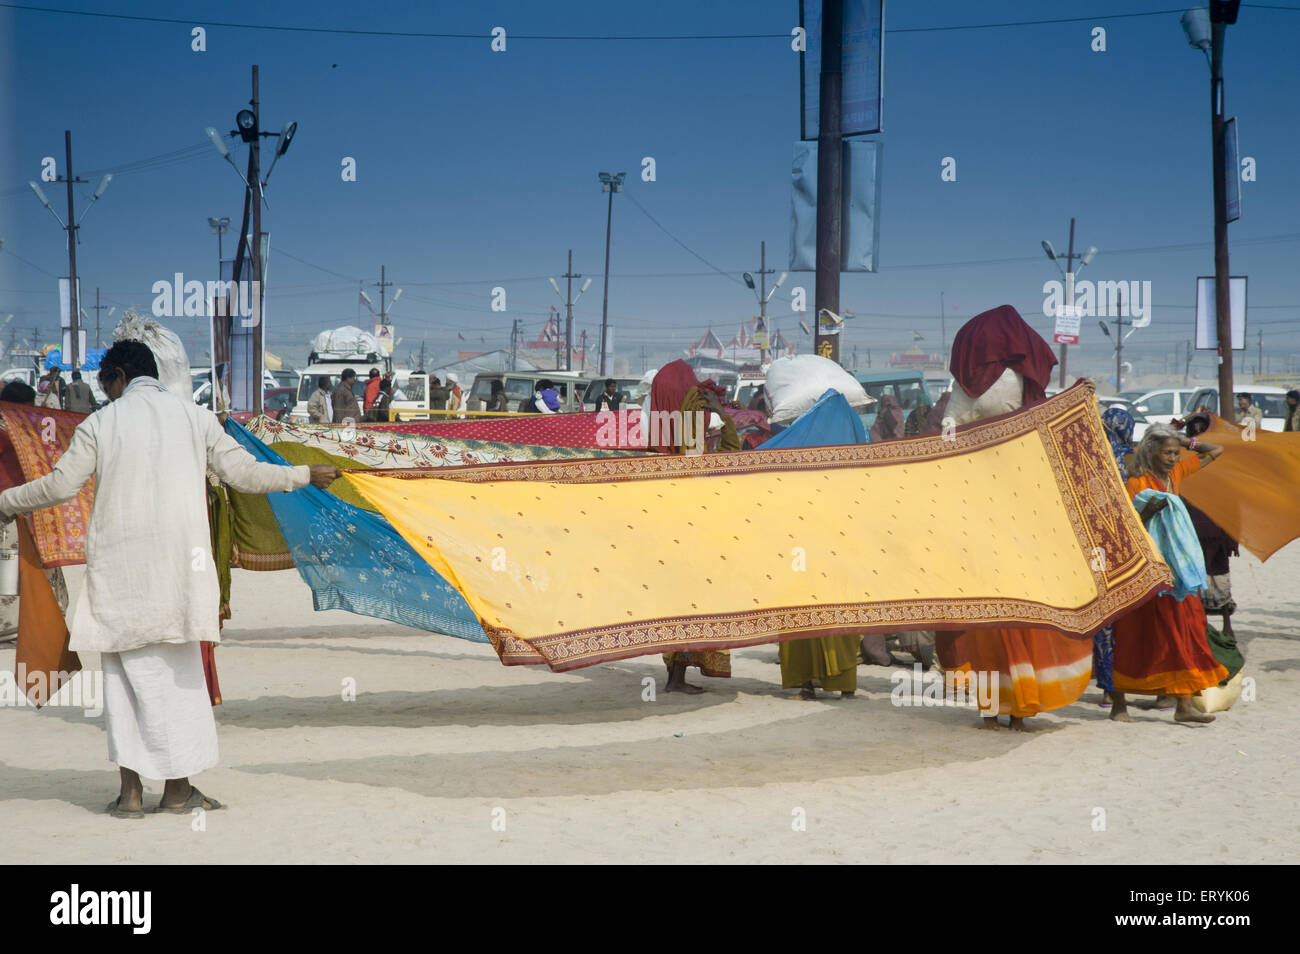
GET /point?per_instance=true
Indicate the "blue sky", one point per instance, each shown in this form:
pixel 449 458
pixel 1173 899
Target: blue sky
pixel 477 169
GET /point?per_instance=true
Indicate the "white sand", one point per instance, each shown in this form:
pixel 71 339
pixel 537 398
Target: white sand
pixel 580 768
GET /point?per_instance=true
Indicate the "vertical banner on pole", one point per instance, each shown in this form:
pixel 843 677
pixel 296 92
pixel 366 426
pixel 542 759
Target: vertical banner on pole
pixel 862 67
pixel 860 216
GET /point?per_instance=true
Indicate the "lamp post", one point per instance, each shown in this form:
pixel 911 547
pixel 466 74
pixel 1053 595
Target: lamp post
pixel 611 184
pixel 1205 32
pixel 764 296
pixel 569 302
pixel 72 227
pixel 248 129
pixel 1068 274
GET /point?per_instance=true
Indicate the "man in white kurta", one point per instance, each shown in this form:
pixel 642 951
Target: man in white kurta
pixel 151 592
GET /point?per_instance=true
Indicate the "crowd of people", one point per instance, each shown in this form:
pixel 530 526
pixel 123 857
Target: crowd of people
pixel 146 527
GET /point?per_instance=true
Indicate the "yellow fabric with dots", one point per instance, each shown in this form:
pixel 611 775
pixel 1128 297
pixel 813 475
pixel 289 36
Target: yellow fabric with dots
pixel 736 549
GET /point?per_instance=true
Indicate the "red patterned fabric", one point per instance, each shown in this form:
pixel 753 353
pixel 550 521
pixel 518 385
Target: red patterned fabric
pixel 39 436
pixel 546 430
pixel 995 340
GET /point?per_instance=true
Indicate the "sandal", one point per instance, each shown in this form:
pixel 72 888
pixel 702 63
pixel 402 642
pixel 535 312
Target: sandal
pixel 117 812
pixel 195 800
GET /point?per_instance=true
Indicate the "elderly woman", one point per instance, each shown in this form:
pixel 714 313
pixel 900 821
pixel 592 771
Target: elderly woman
pixel 1161 647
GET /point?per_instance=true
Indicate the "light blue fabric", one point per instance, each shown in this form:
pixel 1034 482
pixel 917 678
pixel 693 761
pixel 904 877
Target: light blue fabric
pixel 830 421
pixel 1175 535
pixel 354 560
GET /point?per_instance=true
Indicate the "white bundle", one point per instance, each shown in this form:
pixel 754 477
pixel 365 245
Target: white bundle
pixel 795 382
pixel 173 363
pixel 1004 395
pixel 347 340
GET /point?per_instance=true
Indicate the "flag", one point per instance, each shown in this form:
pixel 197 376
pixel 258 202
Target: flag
pixel 917 336
pixel 361 300
pixel 460 336
pixel 804 325
pixel 552 329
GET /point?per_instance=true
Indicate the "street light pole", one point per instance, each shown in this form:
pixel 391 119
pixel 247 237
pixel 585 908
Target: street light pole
pixel 1222 299
pixel 610 184
pixel 74 299
pixel 828 176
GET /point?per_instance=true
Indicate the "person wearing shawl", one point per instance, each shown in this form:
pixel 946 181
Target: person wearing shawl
pixel 1038 669
pixel 1161 647
pixel 889 420
pixel 1118 424
pixel 677 395
pixel 918 422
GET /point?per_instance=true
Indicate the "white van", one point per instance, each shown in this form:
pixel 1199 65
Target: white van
pixel 309 381
pixel 520 387
pixel 1161 405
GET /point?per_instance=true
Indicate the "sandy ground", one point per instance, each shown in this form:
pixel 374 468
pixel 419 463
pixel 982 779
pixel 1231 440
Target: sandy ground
pixel 445 755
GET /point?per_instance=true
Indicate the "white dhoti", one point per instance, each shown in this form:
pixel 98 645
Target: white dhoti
pixel 158 711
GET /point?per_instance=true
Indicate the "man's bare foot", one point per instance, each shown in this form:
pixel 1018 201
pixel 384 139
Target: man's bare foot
pixel 846 693
pixel 1186 712
pixel 989 722
pixel 131 798
pixel 1018 724
pixel 1120 715
pixel 807 691
pixel 677 681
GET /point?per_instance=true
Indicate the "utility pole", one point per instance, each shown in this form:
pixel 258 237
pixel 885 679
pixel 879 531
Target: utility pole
pixel 1069 295
pixel 569 276
pixel 1221 14
pixel 255 162
pixel 382 285
pixel 1259 361
pixel 828 176
pixel 514 333
pixel 610 184
pixel 1119 343
pixel 584 350
pixel 421 367
pixel 1187 365
pixel 98 309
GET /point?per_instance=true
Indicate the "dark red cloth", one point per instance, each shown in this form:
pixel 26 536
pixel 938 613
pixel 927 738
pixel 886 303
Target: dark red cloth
pixel 995 340
pixel 669 389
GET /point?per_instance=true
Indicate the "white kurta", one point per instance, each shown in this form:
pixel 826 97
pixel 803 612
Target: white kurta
pixel 150 576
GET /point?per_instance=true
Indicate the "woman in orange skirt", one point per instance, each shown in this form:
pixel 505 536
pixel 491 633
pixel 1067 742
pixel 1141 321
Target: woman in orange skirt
pixel 1160 647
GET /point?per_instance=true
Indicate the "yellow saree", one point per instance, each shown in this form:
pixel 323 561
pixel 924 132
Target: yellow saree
pixel 1016 521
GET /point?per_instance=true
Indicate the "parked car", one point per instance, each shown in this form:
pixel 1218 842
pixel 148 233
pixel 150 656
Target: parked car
pixel 906 387
pixel 276 403
pixel 520 387
pixel 1270 400
pixel 1161 405
pixel 308 381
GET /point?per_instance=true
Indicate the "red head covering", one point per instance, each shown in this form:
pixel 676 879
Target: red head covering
pixel 669 389
pixel 998 339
